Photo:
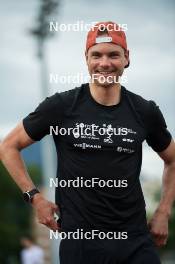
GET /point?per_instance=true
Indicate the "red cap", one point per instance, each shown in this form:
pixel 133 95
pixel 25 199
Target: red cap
pixel 115 35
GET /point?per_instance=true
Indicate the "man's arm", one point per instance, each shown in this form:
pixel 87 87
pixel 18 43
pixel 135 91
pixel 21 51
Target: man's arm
pixel 10 156
pixel 168 186
pixel 159 222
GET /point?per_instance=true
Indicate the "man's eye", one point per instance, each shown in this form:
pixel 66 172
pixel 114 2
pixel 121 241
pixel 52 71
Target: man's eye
pixel 95 56
pixel 115 56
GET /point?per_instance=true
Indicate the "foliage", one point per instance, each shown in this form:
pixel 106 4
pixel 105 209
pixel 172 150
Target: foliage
pixel 15 220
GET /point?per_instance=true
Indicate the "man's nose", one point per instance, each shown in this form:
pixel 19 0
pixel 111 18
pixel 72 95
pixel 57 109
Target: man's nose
pixel 104 62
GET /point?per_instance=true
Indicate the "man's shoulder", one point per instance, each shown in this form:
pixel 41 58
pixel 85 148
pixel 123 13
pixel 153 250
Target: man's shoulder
pixel 140 103
pixel 143 108
pixel 71 94
pixel 138 99
pixel 62 99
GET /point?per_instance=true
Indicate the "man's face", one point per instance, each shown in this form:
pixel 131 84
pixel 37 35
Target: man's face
pixel 106 62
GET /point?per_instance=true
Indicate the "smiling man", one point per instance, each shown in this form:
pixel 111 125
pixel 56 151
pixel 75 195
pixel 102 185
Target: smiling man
pixel 106 63
pixel 102 126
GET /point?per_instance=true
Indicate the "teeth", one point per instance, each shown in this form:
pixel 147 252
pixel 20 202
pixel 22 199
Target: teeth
pixel 105 72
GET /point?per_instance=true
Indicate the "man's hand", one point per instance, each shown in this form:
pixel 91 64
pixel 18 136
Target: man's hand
pixel 45 212
pixel 158 226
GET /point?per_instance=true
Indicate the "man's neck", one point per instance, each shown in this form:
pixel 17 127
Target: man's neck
pixel 106 95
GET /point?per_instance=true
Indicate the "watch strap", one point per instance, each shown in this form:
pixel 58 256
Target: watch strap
pixel 28 195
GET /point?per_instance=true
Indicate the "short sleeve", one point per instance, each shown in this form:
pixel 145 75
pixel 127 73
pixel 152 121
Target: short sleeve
pixel 158 136
pixel 48 113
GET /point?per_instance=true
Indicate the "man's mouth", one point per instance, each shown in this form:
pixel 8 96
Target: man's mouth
pixel 105 72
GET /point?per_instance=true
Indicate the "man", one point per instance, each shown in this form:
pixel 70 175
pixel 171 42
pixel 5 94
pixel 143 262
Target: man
pixel 101 129
pixel 31 253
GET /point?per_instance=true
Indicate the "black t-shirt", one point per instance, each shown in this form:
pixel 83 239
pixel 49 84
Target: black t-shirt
pixel 104 142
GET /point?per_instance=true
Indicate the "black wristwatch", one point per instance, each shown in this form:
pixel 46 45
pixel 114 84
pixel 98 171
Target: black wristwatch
pixel 28 195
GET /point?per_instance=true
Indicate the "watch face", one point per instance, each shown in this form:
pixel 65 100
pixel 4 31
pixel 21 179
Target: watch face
pixel 26 196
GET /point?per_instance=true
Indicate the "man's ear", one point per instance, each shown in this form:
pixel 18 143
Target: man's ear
pixel 126 53
pixel 86 56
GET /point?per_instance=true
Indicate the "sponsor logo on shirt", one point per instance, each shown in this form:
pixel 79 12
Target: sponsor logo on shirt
pixel 126 150
pixel 85 146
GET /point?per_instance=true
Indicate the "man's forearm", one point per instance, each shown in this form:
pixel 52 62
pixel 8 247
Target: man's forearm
pixel 12 160
pixel 14 164
pixel 168 189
